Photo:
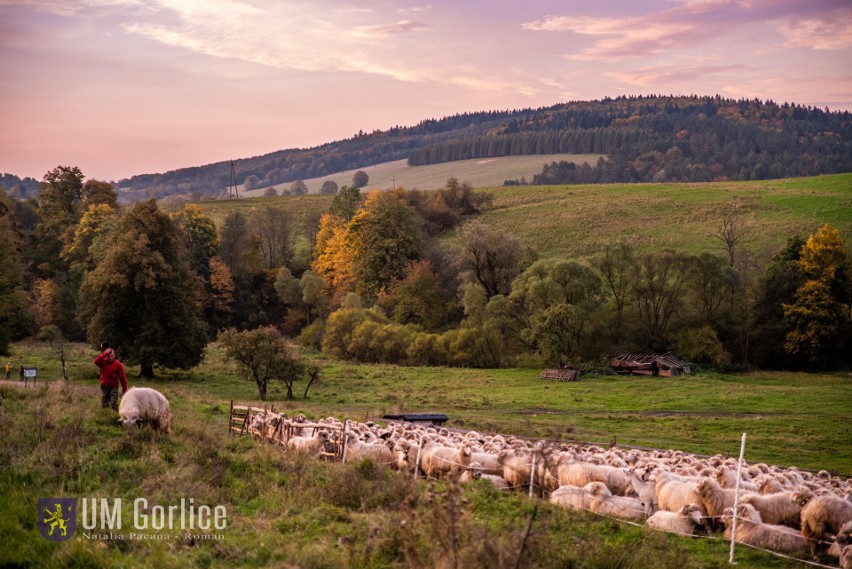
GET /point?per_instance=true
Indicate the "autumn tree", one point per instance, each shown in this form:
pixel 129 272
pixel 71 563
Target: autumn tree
pixel 59 199
pixel 334 255
pixel 388 235
pixel 819 313
pixel 417 297
pixel 262 355
pixel 143 297
pixel 220 294
pixel 96 192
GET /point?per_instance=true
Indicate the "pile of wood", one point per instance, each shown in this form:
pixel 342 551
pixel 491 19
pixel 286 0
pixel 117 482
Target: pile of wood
pixel 561 374
pixel 666 365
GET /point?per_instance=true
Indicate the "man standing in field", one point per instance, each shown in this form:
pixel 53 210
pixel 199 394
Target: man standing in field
pixel 112 374
pixel 8 370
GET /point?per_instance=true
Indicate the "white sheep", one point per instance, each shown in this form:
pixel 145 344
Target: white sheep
pixel 572 497
pixel 752 531
pixel 440 461
pixel 643 482
pixel 821 516
pixel 841 540
pixel 379 453
pixel 604 502
pixel 308 445
pixel 142 405
pixel 713 499
pixel 779 508
pixel 581 473
pixel 682 522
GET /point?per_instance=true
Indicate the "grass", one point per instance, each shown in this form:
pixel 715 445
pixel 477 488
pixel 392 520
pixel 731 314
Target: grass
pixel 288 511
pixel 578 221
pixel 284 510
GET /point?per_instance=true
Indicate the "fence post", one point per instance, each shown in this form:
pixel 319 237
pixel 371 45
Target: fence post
pixel 231 420
pixel 345 440
pixel 736 500
pixel 532 475
pixel 417 460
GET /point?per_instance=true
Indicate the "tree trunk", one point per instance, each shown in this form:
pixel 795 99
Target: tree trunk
pixel 147 370
pixel 261 390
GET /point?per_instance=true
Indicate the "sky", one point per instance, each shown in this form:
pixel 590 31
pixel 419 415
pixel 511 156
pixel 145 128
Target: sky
pixel 125 87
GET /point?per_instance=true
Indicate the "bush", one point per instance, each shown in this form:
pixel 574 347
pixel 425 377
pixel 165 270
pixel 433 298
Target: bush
pixel 702 345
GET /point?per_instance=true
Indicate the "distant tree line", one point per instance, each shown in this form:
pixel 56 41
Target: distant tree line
pixel 688 139
pixel 408 277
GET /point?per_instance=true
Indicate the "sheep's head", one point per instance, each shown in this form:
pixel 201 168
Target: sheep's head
pixel 693 512
pixel 130 421
pixel 802 496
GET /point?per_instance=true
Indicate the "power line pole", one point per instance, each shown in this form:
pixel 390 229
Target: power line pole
pixel 233 182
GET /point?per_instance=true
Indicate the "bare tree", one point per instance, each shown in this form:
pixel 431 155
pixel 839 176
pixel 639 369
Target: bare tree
pixel 275 232
pixel 731 231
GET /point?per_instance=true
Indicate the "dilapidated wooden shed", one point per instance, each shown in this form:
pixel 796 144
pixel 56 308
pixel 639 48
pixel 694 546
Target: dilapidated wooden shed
pixel 666 365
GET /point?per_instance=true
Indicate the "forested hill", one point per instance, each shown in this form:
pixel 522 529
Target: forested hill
pixel 646 138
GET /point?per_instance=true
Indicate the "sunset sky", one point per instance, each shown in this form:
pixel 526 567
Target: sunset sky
pixel 125 87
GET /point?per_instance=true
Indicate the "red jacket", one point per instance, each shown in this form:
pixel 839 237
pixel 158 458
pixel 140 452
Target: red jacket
pixel 112 372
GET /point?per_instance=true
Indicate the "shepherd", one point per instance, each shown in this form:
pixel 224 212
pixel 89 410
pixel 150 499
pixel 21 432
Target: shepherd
pixel 112 375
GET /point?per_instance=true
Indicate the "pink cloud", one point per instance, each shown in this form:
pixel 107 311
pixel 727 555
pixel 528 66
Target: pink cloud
pixel 403 26
pixel 822 24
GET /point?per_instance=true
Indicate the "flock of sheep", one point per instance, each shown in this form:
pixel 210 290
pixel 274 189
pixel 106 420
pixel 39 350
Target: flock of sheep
pixel 784 510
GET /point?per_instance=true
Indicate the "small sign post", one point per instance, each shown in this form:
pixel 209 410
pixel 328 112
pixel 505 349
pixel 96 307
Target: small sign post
pixel 30 372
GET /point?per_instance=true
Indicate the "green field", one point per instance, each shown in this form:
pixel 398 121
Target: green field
pixel 286 511
pixel 577 221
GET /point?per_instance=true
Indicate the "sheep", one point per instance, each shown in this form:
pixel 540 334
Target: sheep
pixel 573 497
pixel 644 483
pixel 823 515
pixel 841 540
pixel 713 499
pixel 673 492
pixel 581 473
pixel 770 486
pixel 490 462
pixel 379 453
pixel 308 445
pixel 439 461
pixel 145 405
pixel 603 502
pixel 727 478
pixel 778 508
pixel 682 522
pixel 752 531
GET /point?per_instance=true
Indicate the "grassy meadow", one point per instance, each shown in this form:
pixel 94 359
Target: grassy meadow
pixel 287 511
pixel 579 220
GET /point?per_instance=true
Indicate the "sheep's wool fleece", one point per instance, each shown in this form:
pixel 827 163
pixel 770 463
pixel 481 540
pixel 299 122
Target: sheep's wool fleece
pixel 143 403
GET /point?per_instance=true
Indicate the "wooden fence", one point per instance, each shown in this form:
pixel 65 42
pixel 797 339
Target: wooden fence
pixel 241 418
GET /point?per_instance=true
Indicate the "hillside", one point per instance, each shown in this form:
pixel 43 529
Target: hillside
pixel 479 172
pixel 577 220
pixel 646 139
